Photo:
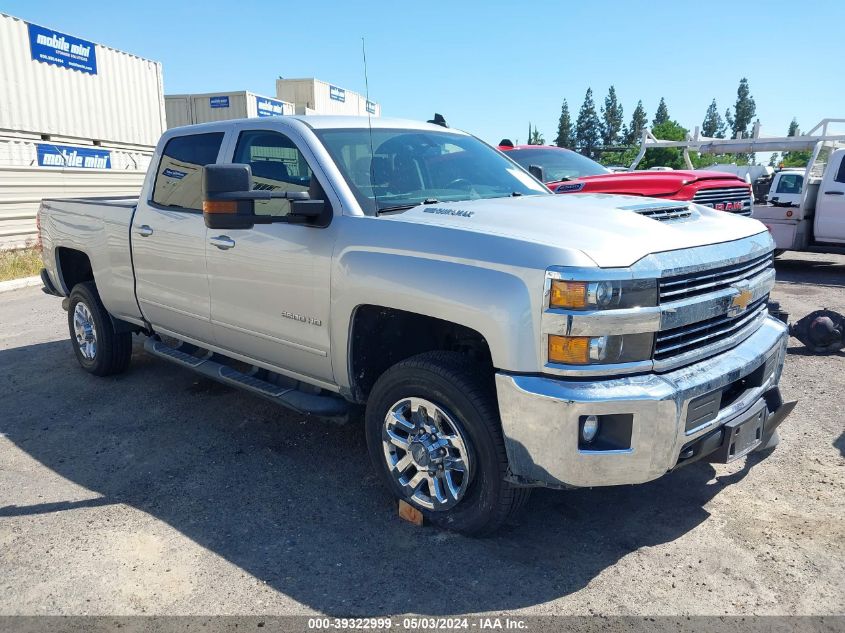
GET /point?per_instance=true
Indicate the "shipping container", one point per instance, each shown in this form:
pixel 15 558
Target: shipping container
pixel 59 86
pixel 30 171
pixel 320 97
pixel 220 106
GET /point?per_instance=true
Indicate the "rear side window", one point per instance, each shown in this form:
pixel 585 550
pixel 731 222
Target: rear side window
pixel 179 179
pixel 840 175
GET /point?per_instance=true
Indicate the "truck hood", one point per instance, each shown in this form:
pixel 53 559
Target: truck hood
pixel 609 229
pixel 648 183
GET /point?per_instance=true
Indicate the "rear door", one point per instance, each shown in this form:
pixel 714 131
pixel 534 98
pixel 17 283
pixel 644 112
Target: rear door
pixel 830 204
pixel 169 239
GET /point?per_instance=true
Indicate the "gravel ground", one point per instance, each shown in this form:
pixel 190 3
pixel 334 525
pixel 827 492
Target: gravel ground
pixel 158 492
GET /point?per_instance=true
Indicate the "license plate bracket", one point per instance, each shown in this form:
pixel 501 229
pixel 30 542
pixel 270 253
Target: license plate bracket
pixel 742 434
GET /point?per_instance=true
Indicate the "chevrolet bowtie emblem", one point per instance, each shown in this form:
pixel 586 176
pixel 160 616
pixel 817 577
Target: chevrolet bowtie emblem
pixel 740 302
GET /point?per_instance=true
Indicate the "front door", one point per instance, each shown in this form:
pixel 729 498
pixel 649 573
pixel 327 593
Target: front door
pixel 830 204
pixel 169 240
pixel 270 284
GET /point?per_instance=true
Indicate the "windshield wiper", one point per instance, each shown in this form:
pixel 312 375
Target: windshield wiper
pixel 410 205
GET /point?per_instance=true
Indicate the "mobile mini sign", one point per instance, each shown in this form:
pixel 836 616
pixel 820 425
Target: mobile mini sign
pixel 76 157
pixel 219 102
pixel 337 94
pixel 269 107
pixel 60 49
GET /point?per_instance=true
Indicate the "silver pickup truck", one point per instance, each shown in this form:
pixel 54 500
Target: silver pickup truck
pixel 499 336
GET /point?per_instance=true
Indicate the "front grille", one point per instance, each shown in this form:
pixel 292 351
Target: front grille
pixel 662 214
pixel 718 198
pixel 690 337
pixel 699 283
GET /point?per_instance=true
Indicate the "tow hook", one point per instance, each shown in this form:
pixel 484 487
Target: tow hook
pixel 822 331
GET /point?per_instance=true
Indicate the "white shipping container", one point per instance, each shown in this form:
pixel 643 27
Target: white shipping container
pixel 188 109
pixel 26 176
pixel 324 98
pixel 84 93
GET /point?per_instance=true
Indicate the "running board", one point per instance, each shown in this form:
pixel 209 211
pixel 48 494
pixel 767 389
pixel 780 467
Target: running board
pixel 323 406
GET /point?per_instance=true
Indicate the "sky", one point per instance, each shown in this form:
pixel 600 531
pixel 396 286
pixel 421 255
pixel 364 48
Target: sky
pixel 489 67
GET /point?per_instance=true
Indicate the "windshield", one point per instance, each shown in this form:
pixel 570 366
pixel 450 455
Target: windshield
pixel 404 168
pixel 558 164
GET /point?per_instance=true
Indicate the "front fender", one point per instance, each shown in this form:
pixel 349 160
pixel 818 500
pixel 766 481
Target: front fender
pixel 500 305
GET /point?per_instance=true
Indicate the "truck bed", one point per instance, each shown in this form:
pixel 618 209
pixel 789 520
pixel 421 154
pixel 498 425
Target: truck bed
pixel 100 228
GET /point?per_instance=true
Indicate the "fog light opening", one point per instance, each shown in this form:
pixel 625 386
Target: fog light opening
pixel 589 428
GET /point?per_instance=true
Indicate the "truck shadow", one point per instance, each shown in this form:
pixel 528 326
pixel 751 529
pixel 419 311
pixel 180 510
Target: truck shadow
pixel 294 502
pixel 813 272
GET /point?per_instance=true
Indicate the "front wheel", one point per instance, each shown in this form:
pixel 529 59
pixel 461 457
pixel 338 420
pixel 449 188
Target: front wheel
pixel 99 349
pixel 434 437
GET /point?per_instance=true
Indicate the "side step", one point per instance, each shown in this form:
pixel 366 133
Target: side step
pixel 323 406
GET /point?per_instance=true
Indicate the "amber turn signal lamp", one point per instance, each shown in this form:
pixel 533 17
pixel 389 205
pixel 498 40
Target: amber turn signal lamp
pixel 569 350
pixel 568 294
pixel 219 206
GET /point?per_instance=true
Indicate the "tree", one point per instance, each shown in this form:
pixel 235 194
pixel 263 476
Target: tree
pixel 795 159
pixel 713 125
pixel 639 120
pixel 587 127
pixel 565 133
pixel 612 116
pixel 666 156
pixel 661 116
pixel 534 136
pixel 744 109
pixel 773 159
pixel 729 120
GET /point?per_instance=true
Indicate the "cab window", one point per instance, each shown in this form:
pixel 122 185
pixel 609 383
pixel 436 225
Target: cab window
pixel 277 165
pixel 178 181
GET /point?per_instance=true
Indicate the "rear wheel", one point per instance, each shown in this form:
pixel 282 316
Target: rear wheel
pixel 99 349
pixel 434 436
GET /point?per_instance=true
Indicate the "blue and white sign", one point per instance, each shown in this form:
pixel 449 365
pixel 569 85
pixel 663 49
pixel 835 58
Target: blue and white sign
pixel 76 157
pixel 371 107
pixel 52 47
pixel 219 102
pixel 337 94
pixel 174 173
pixel 269 107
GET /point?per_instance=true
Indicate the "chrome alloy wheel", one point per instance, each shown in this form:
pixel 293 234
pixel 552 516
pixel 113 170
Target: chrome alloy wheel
pixel 427 453
pixel 85 331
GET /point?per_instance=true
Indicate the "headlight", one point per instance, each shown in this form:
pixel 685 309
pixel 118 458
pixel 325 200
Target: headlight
pixel 591 350
pixel 603 295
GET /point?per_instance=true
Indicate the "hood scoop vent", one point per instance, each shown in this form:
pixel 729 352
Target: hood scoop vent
pixel 662 213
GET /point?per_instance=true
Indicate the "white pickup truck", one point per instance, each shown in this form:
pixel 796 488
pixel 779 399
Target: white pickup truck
pixel 500 336
pixel 807 211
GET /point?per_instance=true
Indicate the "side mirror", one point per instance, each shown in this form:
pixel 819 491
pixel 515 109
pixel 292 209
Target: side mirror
pixel 225 197
pixel 537 172
pixel 228 200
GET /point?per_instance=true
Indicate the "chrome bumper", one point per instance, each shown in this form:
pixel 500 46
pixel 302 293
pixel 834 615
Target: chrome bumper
pixel 540 415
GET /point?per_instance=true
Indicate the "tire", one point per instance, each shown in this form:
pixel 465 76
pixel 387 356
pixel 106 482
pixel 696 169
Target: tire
pixel 465 394
pixel 111 350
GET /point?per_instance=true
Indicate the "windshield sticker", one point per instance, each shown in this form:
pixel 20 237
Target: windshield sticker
pixel 570 187
pixel 442 211
pixel 173 173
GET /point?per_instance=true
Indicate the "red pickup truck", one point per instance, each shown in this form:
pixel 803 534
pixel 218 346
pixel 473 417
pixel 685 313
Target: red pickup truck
pixel 565 171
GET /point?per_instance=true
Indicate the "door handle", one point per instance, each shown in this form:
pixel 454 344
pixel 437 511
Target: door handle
pixel 223 242
pixel 145 230
pixel 834 193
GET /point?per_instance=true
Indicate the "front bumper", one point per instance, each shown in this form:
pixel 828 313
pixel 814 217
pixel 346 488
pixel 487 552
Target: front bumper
pixel 541 415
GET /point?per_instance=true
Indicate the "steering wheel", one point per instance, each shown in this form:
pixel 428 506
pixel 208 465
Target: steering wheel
pixel 459 183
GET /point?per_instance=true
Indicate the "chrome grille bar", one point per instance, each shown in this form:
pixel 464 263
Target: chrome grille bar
pixel 672 342
pixel 691 285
